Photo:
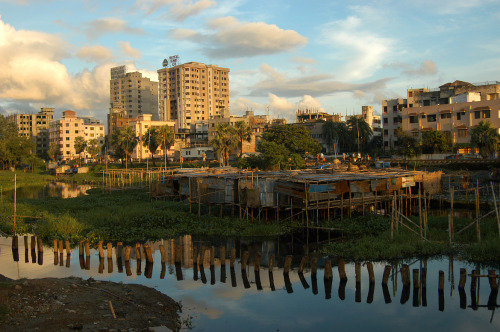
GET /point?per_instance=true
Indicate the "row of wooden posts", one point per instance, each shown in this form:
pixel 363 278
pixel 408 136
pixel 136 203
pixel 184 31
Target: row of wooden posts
pixel 136 177
pixel 419 276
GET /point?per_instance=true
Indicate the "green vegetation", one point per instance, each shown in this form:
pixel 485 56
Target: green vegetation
pixel 485 138
pixel 130 216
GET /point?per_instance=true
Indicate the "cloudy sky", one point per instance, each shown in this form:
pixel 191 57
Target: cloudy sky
pixel 334 56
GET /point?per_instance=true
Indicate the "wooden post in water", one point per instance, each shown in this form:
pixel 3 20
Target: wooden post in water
pixel 258 257
pixel 303 263
pixel 39 244
pixel 492 278
pixel 441 281
pixel 341 268
pixel 371 275
pixel 101 251
pixel 288 264
pixel 162 252
pixel 80 248
pixel 387 273
pixel 233 257
pixel 222 251
pixel 127 253
pixel 138 251
pixel 478 219
pixel 463 278
pixel 61 247
pixel 149 256
pixel 68 248
pixel 110 250
pixel 244 260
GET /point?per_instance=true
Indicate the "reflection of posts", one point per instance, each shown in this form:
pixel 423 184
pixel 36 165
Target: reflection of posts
pixel 163 270
pixel 441 290
pixel 314 276
pixel 202 272
pixel 371 286
pixel 149 269
pixel 423 278
pixel 357 269
pixel 387 295
pixel 244 277
pixel 303 263
pixel 101 265
pixel 82 261
pixel 271 277
pixel 473 287
pixel 416 288
pixel 233 276
pixel 110 265
pixel 328 279
pixel 257 271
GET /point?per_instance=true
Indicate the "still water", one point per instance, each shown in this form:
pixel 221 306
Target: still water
pixel 52 189
pixel 216 298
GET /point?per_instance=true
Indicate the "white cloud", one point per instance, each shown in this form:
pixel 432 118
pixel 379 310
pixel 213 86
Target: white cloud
pixel 97 28
pixel 127 50
pixel 179 10
pixel 94 53
pixel 284 108
pixel 357 45
pixel 426 68
pixel 232 38
pixel 314 85
pixel 302 60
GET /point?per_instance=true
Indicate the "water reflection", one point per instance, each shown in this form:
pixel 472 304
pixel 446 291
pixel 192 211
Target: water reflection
pixel 52 189
pixel 179 268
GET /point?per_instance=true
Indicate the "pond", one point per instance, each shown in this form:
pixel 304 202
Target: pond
pixel 52 189
pixel 217 297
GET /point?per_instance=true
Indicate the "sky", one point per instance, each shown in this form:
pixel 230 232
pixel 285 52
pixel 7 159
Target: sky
pixel 332 56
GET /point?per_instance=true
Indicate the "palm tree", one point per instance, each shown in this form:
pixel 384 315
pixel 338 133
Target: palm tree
pixel 244 133
pixel 167 139
pixel 125 140
pixel 360 129
pixel 152 140
pixel 336 134
pixel 485 138
pixel 225 138
pixel 80 145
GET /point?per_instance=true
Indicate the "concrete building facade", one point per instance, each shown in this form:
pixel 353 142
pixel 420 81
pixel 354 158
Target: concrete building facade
pixel 131 95
pixel 35 126
pixel 193 92
pixel 141 125
pixel 64 131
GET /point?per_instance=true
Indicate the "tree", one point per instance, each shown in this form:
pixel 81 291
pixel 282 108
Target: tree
pixel 407 145
pixel 434 141
pixel 124 141
pixel 295 138
pixel 93 148
pixel 485 138
pixel 244 133
pixel 225 138
pixel 167 139
pixel 152 140
pixel 336 134
pixel 360 130
pixel 53 151
pixel 80 145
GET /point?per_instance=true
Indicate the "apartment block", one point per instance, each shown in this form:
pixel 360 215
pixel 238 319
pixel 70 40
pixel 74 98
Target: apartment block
pixel 64 131
pixel 374 120
pixel 391 121
pixel 141 125
pixel 193 92
pixel 454 120
pixel 35 126
pixel 314 121
pixel 131 95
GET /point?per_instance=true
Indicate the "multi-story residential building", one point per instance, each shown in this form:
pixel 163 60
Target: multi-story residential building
pixel 131 95
pixel 193 92
pixel 141 125
pixel 374 120
pixel 454 120
pixel 64 131
pixel 35 126
pixel 449 93
pixel 314 121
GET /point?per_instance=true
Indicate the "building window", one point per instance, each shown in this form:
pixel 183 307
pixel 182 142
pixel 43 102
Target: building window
pixel 461 133
pixel 446 116
pixel 431 118
pixel 477 114
pixel 486 114
pixel 413 119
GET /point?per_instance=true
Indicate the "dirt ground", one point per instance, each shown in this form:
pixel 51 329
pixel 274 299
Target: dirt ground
pixel 70 304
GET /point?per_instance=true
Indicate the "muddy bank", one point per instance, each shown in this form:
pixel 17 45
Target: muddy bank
pixel 70 304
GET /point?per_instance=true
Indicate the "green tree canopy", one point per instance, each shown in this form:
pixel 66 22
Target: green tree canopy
pixel 244 133
pixel 14 150
pixel 124 141
pixel 336 134
pixel 434 141
pixel 93 147
pixel 80 145
pixel 485 138
pixel 225 138
pixel 53 151
pixel 295 138
pixel 407 145
pixel 152 140
pixel 167 139
pixel 360 131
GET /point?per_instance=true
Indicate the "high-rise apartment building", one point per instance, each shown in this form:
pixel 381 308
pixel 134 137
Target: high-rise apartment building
pixel 130 95
pixel 35 126
pixel 193 92
pixel 373 120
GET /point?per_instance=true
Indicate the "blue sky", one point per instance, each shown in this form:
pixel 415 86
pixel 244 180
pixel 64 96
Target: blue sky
pixel 334 56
